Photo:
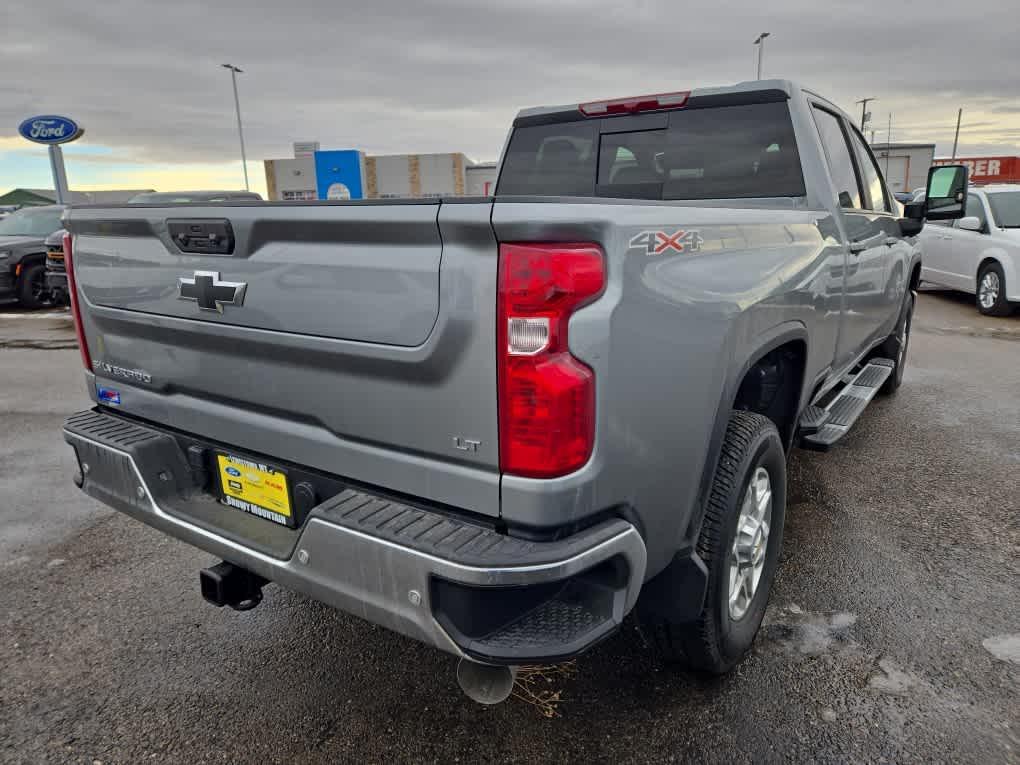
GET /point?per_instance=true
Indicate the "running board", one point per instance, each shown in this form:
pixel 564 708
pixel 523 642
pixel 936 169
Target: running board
pixel 843 411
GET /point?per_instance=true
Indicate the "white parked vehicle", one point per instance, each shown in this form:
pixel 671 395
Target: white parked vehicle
pixel 979 253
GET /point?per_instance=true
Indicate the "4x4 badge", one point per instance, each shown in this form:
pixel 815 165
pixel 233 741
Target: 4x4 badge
pixel 209 292
pixel 661 242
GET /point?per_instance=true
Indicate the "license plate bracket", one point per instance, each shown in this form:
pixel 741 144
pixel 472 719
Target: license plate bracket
pixel 254 487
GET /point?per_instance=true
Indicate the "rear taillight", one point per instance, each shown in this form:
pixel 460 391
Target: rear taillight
pixel 546 396
pixel 72 291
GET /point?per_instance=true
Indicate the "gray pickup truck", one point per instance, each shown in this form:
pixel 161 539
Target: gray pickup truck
pixel 497 425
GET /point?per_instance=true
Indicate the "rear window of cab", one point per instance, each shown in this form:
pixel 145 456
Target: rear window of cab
pixel 720 152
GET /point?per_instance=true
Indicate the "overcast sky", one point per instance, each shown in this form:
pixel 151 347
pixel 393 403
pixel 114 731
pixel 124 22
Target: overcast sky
pixel 144 78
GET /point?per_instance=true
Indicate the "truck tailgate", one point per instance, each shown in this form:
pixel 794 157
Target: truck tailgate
pixel 360 273
pixel 363 343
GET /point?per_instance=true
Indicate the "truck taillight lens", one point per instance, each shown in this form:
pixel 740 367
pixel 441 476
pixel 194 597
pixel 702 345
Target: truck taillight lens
pixel 546 396
pixel 72 292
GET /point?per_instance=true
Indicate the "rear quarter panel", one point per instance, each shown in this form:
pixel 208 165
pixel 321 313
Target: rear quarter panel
pixel 668 342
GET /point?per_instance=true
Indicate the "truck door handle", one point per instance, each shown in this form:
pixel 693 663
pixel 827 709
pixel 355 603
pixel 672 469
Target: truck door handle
pixel 857 246
pixel 891 241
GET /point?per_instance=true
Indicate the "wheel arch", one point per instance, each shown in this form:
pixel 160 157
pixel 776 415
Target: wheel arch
pixel 915 275
pixel 792 335
pixel 30 259
pixel 1008 259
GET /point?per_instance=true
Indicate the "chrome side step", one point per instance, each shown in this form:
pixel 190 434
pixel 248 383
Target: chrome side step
pixel 825 427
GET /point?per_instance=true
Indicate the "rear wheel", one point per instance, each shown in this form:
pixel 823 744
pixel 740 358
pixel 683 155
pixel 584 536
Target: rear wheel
pixel 740 540
pixel 32 292
pixel 991 291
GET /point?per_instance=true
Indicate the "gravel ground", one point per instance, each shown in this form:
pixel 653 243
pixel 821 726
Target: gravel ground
pixel 893 633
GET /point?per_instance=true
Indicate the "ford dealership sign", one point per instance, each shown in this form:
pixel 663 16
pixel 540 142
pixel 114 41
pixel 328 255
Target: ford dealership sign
pixel 50 129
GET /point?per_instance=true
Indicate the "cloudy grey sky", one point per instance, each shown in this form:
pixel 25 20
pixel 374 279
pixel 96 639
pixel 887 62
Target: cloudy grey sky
pixel 144 78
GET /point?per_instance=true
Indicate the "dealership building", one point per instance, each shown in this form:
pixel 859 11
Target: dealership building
pixel 313 173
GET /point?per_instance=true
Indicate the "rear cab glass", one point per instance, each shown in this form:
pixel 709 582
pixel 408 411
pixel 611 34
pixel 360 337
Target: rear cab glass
pixel 716 152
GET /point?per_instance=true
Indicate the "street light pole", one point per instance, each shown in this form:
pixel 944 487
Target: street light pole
pixel 888 145
pixel 760 42
pixel 956 138
pixel 864 114
pixel 237 107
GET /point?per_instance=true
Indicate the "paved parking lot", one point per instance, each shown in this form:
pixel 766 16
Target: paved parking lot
pixel 893 634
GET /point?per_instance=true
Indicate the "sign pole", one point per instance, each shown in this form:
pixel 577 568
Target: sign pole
pixel 956 138
pixel 59 173
pixel 864 113
pixel 888 145
pixel 51 130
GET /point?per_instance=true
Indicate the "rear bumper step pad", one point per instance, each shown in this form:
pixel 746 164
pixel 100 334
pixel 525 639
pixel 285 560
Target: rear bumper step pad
pixel 386 561
pixel 842 412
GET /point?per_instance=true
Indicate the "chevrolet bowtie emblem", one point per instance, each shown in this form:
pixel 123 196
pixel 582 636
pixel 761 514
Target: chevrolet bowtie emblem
pixel 209 292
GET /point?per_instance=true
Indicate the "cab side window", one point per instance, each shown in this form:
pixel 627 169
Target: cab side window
pixel 874 189
pixel 976 208
pixel 841 166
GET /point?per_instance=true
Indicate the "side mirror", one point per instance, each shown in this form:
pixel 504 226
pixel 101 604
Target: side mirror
pixel 911 226
pixel 970 223
pixel 946 192
pixel 913 219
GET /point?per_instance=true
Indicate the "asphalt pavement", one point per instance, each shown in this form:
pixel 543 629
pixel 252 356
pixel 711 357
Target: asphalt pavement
pixel 893 633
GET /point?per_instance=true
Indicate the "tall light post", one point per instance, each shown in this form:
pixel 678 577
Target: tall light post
pixel 956 138
pixel 760 42
pixel 864 113
pixel 234 70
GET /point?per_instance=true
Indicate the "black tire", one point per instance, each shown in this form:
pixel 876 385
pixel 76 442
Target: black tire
pixel 32 292
pixel 896 345
pixel 998 306
pixel 714 642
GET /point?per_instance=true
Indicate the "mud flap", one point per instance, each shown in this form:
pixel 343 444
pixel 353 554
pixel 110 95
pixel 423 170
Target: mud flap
pixel 677 594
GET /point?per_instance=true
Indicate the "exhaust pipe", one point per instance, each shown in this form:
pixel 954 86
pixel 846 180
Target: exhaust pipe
pixel 228 585
pixel 485 683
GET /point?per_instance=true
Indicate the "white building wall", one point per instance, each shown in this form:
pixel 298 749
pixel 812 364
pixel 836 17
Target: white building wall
pixel 481 179
pixel 438 175
pixel 907 166
pixel 392 176
pixel 291 179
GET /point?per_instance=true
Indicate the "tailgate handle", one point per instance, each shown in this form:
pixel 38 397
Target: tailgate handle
pixel 205 236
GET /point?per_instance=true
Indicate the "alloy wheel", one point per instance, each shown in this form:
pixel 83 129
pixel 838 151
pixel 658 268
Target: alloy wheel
pixel 750 543
pixel 988 293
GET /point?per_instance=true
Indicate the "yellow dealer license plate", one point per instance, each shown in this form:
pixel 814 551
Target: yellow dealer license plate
pixel 255 487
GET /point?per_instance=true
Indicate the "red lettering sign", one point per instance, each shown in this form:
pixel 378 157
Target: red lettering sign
pixel 988 169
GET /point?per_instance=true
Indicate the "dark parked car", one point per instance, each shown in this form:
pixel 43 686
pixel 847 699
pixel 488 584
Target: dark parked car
pixel 23 254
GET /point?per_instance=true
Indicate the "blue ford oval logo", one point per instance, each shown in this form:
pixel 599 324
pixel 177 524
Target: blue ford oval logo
pixel 49 128
pixel 233 471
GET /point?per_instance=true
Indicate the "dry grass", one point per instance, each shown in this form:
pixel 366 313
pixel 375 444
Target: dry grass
pixel 540 685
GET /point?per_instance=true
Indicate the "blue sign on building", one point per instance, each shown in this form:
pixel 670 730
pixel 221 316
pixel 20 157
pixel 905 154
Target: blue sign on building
pixel 50 129
pixel 340 174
